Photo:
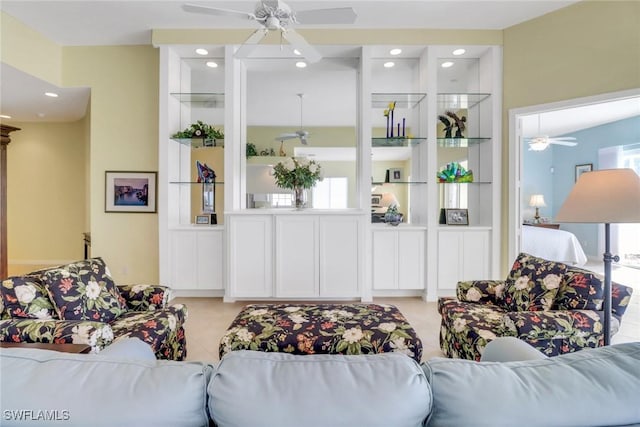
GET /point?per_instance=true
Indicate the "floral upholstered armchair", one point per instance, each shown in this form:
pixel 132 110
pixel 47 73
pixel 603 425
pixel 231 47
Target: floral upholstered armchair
pixel 552 306
pixel 79 303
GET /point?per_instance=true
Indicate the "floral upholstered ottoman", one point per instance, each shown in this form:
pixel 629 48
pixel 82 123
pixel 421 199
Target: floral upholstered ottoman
pixel 322 328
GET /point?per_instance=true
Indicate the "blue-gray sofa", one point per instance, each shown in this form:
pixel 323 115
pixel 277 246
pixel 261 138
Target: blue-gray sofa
pixel 593 387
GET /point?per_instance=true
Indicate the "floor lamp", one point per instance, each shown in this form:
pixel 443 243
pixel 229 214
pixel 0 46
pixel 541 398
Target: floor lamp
pixel 604 197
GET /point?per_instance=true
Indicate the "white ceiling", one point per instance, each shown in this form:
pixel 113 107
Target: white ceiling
pixel 76 22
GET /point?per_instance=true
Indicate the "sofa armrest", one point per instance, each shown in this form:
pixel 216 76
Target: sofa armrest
pixel 96 334
pixel 582 326
pixel 481 291
pixel 145 297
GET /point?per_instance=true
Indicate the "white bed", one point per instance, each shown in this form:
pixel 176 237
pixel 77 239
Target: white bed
pixel 554 245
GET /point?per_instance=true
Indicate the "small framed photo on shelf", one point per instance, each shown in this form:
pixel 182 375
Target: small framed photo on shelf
pixel 130 191
pixel 580 169
pixel 203 219
pixel 394 175
pixel 457 216
pixel 375 200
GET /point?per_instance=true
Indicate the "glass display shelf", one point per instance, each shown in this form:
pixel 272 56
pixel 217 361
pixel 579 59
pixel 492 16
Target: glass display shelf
pixel 201 99
pixel 448 101
pixel 397 182
pixel 402 100
pixel 200 142
pixel 460 142
pixel 467 183
pixel 396 142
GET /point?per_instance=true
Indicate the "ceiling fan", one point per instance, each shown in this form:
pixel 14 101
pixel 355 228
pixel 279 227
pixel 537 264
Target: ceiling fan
pixel 541 142
pixel 300 133
pixel 277 15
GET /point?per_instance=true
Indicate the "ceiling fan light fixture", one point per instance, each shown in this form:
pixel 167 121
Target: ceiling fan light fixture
pixel 538 144
pixel 395 51
pixel 459 52
pixel 202 52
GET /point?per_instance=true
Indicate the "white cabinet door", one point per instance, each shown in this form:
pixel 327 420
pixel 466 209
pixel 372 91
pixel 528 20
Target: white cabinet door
pixel 296 256
pixel 411 259
pixel 385 260
pixel 339 260
pixel 210 259
pixel 462 255
pixel 250 256
pixel 197 259
pixel 398 259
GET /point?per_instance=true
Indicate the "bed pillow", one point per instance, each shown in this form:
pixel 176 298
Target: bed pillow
pixel 84 292
pixel 533 283
pixel 25 296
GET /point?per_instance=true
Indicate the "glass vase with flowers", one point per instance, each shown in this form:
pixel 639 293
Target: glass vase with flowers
pixel 298 174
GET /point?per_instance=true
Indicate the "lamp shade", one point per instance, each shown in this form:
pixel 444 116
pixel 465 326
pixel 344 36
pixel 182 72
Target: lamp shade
pixel 537 201
pixel 604 196
pixel 389 199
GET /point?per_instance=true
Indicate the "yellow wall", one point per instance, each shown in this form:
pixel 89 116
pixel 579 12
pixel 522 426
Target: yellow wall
pixel 46 199
pixel 590 48
pixel 29 51
pixel 124 137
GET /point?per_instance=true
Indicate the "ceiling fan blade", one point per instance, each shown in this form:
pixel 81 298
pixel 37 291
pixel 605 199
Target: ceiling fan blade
pixel 285 136
pixel 562 138
pixel 251 43
pixel 338 15
pixel 565 143
pixel 298 42
pixel 194 8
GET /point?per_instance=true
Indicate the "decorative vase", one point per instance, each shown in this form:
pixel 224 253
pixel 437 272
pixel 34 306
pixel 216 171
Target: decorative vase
pixel 300 197
pixel 393 218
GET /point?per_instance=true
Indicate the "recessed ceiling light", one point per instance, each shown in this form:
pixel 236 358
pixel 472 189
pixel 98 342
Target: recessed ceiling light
pixel 447 64
pixel 459 52
pixel 4 116
pixel 396 51
pixel 201 51
pixel 389 64
pixel 297 52
pixel 51 94
pixel 301 64
pixel 212 64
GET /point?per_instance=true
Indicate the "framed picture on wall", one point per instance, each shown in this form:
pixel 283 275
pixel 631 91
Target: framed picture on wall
pixel 375 200
pixel 203 219
pixel 130 191
pixel 395 175
pixel 580 169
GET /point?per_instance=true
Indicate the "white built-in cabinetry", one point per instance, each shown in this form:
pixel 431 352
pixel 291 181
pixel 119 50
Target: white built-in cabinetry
pixel 339 254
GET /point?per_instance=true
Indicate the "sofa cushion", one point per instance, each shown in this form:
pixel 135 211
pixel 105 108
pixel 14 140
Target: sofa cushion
pixel 592 387
pixel 97 390
pixel 84 293
pixel 533 283
pixel 252 388
pixel 25 296
pixel 580 290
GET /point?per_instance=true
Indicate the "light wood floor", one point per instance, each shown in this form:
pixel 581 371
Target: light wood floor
pixel 209 318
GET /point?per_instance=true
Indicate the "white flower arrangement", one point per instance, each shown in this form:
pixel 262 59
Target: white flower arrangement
pixel 297 173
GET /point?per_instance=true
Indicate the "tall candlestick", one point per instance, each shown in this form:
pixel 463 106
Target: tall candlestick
pixel 403 127
pixel 391 112
pixel 399 130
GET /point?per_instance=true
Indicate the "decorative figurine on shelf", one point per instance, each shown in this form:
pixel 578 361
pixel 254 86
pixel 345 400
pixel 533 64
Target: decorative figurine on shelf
pixel 392 216
pixel 388 113
pixel 448 126
pixel 205 173
pixel 460 123
pixel 454 172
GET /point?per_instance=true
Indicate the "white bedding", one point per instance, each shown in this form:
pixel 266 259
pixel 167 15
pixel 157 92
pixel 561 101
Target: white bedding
pixel 554 245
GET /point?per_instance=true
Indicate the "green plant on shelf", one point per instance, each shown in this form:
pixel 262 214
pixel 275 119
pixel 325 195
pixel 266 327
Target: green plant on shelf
pixel 200 129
